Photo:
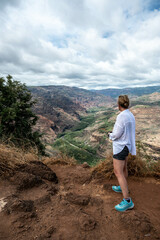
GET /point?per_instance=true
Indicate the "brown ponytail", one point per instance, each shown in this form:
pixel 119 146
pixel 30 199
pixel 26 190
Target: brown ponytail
pixel 123 101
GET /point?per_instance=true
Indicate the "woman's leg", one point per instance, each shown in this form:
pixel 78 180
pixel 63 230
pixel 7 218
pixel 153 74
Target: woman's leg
pixel 119 166
pixel 125 168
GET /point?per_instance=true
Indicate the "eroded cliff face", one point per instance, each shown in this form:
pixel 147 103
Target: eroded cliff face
pixel 56 113
pixel 60 107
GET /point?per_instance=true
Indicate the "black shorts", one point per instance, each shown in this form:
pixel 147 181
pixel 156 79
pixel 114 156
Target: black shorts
pixel 122 155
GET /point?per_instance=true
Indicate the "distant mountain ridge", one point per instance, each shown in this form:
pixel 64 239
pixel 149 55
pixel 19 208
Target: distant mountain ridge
pixel 85 98
pixel 137 91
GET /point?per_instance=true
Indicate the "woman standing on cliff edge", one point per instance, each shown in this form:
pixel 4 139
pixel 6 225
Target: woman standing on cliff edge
pixel 123 137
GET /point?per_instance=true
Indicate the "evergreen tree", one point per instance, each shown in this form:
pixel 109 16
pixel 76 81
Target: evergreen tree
pixel 16 115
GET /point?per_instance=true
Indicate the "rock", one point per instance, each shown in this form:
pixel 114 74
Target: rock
pixel 21 225
pixel 26 180
pixel 96 201
pixel 43 200
pixel 51 230
pixel 38 169
pixel 2 203
pixel 108 187
pixel 83 178
pixel 48 234
pixel 87 222
pixel 85 165
pixel 5 170
pixel 18 205
pixel 52 190
pixel 145 227
pixel 137 223
pixel 77 199
pixel 147 235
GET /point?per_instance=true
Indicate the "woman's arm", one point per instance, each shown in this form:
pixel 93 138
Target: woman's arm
pixel 117 132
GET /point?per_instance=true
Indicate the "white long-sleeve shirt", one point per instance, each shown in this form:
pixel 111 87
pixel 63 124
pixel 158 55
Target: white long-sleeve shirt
pixel 124 133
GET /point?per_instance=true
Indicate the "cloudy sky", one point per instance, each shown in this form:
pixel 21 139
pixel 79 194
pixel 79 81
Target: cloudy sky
pixel 93 44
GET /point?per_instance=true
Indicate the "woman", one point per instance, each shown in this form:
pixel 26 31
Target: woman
pixel 123 137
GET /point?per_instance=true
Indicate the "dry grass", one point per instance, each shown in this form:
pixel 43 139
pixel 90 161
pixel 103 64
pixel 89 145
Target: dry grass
pixel 13 155
pixel 155 169
pixel 10 156
pixel 62 159
pixel 104 169
pixel 136 167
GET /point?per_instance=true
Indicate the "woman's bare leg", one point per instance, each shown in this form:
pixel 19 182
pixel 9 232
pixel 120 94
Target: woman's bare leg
pixel 119 166
pixel 125 168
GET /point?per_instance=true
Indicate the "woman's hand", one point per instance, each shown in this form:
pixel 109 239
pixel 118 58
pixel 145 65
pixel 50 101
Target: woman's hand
pixel 109 133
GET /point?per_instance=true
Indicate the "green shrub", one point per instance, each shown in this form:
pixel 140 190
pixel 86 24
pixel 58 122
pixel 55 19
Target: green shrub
pixel 16 115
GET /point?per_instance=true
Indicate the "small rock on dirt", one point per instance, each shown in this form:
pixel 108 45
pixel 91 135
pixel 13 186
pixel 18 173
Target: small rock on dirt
pixel 107 187
pixel 87 222
pixel 52 190
pixel 18 205
pixel 44 199
pixel 96 201
pixel 38 168
pixel 77 199
pixel 85 165
pixel 26 180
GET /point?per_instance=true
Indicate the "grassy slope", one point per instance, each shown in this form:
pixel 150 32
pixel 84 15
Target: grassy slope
pixel 78 142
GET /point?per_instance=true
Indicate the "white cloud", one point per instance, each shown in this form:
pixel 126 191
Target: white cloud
pixel 87 43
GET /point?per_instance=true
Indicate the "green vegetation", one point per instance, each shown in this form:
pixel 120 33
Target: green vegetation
pixel 16 116
pixel 106 127
pixel 107 124
pixel 145 103
pixel 142 106
pixel 77 149
pixel 83 153
pixel 84 122
pixel 97 109
pixel 72 144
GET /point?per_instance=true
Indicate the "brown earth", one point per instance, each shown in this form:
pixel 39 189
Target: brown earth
pixel 66 202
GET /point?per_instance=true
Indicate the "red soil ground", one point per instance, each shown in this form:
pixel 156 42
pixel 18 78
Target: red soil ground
pixel 79 208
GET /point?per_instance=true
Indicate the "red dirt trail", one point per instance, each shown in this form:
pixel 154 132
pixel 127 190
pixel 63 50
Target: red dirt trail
pixel 78 207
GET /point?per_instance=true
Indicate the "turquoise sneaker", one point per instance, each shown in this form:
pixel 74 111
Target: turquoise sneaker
pixel 117 189
pixel 124 205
